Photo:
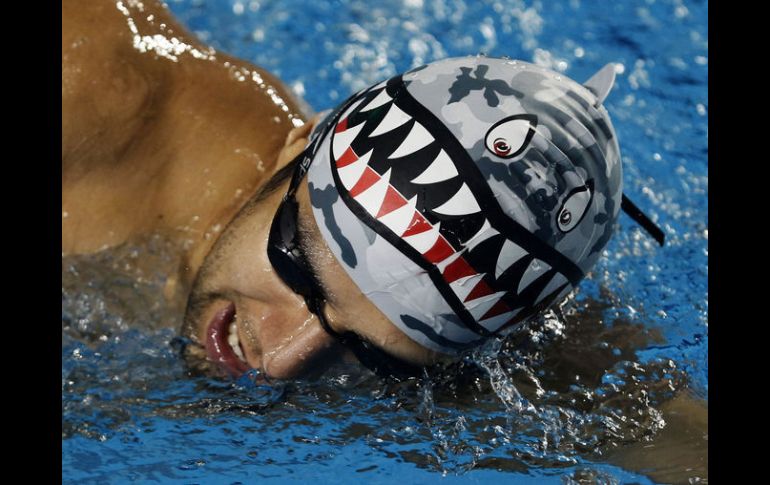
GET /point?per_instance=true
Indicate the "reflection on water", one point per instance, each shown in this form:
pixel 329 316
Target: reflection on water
pixel 557 398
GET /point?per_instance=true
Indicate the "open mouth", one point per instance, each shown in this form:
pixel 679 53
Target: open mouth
pixel 406 176
pixel 222 343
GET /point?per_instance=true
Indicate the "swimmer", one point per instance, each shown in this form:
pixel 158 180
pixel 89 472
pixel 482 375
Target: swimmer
pixel 421 217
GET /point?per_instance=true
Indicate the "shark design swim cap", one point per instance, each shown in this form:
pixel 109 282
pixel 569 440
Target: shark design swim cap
pixel 463 196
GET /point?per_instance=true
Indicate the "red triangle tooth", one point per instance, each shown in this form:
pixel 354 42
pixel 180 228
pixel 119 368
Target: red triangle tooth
pixel 499 308
pixel 393 200
pixel 457 269
pixel 419 224
pixel 341 126
pixel 368 179
pixel 347 158
pixel 481 289
pixel 440 251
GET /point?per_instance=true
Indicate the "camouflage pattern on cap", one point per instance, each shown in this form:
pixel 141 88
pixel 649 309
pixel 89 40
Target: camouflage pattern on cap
pixel 464 195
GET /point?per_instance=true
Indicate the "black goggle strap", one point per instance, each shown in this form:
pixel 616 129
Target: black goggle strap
pixel 641 218
pixel 303 163
pixel 371 357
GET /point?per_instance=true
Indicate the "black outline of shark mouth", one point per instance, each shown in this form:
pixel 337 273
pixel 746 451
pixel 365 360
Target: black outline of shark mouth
pixel 417 187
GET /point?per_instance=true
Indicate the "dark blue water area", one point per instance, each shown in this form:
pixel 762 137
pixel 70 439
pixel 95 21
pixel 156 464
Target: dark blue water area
pixel 587 381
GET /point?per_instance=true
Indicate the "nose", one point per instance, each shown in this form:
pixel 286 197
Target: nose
pixel 294 344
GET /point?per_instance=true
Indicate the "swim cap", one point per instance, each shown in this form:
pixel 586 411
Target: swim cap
pixel 464 195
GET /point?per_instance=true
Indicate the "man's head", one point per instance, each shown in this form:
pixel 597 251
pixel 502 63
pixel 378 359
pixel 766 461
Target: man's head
pixel 439 208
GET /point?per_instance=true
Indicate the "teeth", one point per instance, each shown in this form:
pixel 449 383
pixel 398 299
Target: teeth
pixel 461 203
pixel 378 101
pixel 352 172
pixel 371 198
pixel 441 169
pixel 509 254
pixel 557 281
pixel 417 138
pixel 393 119
pixel 342 140
pixel 424 240
pixel 484 233
pixel 494 323
pixel 482 305
pixel 463 286
pixel 398 220
pixel 535 270
pixel 232 339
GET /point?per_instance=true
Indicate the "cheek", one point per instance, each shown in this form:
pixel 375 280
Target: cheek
pixel 239 263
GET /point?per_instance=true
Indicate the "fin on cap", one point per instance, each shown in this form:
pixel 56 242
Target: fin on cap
pixel 601 83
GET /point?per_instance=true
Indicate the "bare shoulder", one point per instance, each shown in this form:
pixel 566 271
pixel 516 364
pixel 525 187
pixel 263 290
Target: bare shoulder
pixel 152 119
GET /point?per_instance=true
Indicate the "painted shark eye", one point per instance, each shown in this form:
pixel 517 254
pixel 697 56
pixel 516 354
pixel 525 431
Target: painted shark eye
pixel 501 147
pixel 510 136
pixel 574 207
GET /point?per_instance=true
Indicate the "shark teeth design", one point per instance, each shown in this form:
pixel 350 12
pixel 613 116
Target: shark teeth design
pixel 509 254
pixel 535 269
pixel 469 275
pixel 484 233
pixel 352 172
pixel 352 107
pixel 417 138
pixel 379 100
pixel 398 220
pixel 463 286
pixel 480 306
pixel 424 240
pixel 460 204
pixel 557 281
pixel 494 323
pixel 441 169
pixel 372 197
pixel 443 265
pixel 393 119
pixel 342 140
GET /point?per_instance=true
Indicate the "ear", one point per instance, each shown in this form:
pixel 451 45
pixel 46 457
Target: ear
pixel 601 83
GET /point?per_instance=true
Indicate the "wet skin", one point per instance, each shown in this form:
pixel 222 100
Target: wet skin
pixel 277 332
pixel 187 137
pixel 191 143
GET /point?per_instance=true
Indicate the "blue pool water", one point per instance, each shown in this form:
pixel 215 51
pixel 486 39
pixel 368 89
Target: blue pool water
pixel 567 393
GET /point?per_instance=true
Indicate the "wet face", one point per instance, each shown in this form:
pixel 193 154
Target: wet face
pixel 242 315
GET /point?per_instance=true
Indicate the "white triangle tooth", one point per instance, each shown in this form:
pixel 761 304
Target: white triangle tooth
pixel 398 220
pixel 494 323
pixel 441 265
pixel 441 169
pixel 463 286
pixel 480 306
pixel 482 235
pixel 555 283
pixel 350 174
pixel 509 254
pixel 371 198
pixel 535 269
pixel 341 141
pixel 393 119
pixel 417 138
pixel 378 101
pixel 425 240
pixel 461 203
